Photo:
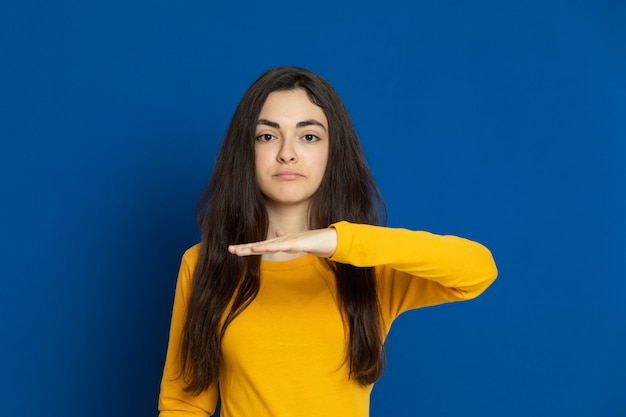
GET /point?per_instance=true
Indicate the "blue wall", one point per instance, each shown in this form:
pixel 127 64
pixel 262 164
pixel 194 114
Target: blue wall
pixel 502 122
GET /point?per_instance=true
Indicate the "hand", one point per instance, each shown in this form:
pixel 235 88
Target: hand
pixel 319 242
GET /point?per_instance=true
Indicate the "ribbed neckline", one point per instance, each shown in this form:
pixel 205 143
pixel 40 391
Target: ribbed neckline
pixel 299 262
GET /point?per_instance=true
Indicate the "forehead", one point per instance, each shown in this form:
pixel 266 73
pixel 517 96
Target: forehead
pixel 291 106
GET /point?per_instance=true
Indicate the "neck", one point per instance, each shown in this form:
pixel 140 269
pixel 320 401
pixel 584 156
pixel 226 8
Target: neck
pixel 286 219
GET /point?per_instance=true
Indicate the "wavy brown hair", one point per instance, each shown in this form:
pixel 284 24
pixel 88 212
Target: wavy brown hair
pixel 232 210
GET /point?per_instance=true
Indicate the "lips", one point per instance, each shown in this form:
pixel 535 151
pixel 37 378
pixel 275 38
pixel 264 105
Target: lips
pixel 289 175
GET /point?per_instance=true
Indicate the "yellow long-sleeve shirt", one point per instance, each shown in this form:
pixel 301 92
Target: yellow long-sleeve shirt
pixel 284 355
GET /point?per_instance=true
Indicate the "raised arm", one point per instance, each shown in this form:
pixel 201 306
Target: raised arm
pixel 416 268
pixel 448 260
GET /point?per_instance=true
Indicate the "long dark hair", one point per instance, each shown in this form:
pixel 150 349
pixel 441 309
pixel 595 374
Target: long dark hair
pixel 232 210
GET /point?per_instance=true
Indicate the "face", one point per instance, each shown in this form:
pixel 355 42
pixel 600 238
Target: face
pixel 291 148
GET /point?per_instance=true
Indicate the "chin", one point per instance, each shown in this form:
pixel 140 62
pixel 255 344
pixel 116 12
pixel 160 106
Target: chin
pixel 288 202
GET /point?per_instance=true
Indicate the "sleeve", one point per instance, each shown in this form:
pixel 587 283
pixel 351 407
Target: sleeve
pixel 416 268
pixel 174 401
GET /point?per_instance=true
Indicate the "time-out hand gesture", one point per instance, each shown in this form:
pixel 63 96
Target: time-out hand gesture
pixel 319 242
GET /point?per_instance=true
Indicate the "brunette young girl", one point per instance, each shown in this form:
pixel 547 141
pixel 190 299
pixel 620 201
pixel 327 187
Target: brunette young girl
pixel 283 308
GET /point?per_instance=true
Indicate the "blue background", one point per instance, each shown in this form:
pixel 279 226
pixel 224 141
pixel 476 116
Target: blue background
pixel 500 121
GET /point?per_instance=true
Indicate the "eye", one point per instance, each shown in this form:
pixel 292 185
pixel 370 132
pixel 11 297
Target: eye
pixel 265 137
pixel 310 138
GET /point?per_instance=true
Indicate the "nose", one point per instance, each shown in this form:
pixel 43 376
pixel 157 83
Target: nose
pixel 287 152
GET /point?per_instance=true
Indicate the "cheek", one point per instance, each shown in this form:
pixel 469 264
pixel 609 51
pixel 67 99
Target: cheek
pixel 262 165
pixel 257 165
pixel 322 161
pixel 260 159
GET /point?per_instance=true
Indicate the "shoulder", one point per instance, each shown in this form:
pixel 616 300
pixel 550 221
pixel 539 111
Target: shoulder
pixel 191 255
pixel 192 252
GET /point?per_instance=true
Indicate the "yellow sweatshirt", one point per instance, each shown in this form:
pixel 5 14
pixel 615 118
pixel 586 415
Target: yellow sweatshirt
pixel 284 355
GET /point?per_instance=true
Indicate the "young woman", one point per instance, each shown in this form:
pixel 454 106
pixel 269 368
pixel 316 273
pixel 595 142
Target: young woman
pixel 283 308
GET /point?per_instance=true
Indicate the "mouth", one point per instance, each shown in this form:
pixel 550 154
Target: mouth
pixel 289 175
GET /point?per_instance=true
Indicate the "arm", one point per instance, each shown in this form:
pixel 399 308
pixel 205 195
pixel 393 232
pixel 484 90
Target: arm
pixel 451 261
pixel 174 401
pixel 416 268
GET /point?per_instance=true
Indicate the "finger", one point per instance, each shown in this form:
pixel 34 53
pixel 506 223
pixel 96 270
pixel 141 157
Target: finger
pixel 241 250
pixel 256 248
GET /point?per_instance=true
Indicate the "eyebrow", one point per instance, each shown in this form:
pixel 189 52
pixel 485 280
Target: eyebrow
pixel 305 123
